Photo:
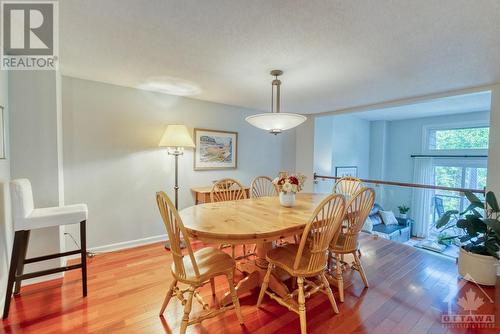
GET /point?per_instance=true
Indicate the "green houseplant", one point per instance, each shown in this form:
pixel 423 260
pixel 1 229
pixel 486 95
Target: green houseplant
pixel 479 239
pixel 403 210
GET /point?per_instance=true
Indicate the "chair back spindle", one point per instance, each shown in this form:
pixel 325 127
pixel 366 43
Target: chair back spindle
pixel 263 186
pixel 227 190
pixel 357 210
pixel 175 230
pixel 347 186
pixel 319 232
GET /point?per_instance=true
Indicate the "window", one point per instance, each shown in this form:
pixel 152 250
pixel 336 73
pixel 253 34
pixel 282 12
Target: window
pixel 473 138
pixel 471 177
pixel 454 174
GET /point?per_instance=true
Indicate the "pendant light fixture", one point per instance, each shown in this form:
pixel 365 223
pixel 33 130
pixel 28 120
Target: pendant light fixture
pixel 276 122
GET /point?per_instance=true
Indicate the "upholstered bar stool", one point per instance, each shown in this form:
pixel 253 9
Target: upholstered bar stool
pixel 26 218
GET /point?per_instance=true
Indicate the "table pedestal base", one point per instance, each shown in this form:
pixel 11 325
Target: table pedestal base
pixel 256 270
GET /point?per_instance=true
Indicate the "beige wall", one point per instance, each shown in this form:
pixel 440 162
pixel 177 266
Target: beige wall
pixel 5 219
pixel 112 162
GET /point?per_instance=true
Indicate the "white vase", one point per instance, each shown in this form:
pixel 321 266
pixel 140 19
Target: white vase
pixel 402 215
pixel 287 199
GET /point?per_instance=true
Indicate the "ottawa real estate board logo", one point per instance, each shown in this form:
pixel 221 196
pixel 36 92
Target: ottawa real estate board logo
pixel 470 313
pixel 30 39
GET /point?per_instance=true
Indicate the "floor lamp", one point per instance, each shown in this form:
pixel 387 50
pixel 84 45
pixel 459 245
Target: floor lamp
pixel 175 138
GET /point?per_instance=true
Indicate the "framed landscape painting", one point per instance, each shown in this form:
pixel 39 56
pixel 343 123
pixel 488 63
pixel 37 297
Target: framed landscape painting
pixel 215 149
pixel 343 171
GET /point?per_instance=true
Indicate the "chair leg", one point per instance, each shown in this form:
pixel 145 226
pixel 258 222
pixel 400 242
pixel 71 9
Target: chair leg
pixel 329 293
pixel 18 238
pixel 265 284
pixel 244 250
pixel 302 306
pixel 187 310
pixel 360 269
pixel 168 296
pixel 212 286
pixel 83 255
pixel 339 277
pixel 20 262
pixel 233 251
pixel 234 296
pixel 330 258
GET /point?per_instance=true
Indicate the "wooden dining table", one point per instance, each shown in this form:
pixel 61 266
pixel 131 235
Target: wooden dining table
pixel 259 221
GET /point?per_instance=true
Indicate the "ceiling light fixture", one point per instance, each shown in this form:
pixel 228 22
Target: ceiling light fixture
pixel 276 122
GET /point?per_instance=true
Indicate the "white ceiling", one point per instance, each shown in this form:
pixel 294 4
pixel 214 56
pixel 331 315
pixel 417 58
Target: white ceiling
pixel 336 54
pixel 437 107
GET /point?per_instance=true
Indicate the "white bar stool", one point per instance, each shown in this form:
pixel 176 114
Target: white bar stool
pixel 26 218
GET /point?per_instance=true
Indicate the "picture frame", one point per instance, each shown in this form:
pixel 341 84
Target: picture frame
pixel 343 171
pixel 3 153
pixel 215 149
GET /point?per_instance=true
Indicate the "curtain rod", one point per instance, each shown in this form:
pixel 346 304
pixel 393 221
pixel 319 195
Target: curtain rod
pixel 446 156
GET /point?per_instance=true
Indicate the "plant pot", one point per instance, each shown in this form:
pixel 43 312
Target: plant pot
pixel 481 269
pixel 287 199
pixel 402 215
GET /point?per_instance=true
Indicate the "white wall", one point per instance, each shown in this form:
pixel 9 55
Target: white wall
pixel 33 102
pixel 342 140
pixel 323 149
pixel 494 148
pixel 6 232
pixel 112 162
pixel 304 151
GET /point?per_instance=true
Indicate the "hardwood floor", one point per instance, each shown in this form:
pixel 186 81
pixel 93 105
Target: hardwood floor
pixel 407 293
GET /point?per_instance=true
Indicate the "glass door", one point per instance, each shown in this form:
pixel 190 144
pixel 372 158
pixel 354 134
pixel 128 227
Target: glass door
pixel 456 174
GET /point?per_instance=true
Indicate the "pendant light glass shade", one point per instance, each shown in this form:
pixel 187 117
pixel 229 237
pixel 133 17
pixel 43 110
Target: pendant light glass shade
pixel 276 122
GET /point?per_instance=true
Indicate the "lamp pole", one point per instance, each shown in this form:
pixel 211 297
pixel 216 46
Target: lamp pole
pixel 178 151
pixel 176 137
pixel 176 154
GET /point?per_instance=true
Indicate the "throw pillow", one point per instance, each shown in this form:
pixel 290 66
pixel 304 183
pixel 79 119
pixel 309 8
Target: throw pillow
pixel 388 217
pixel 368 225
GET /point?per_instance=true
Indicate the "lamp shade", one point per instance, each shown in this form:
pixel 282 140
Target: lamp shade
pixel 176 135
pixel 276 122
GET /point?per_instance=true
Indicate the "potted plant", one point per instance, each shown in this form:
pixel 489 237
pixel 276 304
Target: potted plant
pixel 403 210
pixel 479 240
pixel 288 186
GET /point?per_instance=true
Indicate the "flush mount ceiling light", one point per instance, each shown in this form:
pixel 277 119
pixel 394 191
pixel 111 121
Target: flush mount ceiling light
pixel 276 122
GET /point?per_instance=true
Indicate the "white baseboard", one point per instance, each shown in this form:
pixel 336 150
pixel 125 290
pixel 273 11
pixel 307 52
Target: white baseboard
pixel 101 249
pixel 128 244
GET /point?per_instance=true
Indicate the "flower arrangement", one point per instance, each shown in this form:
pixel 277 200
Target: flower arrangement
pixel 290 183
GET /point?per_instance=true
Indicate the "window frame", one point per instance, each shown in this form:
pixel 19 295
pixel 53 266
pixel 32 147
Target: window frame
pixel 426 131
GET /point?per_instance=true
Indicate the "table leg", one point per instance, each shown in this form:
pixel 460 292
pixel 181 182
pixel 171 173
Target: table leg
pixel 256 271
